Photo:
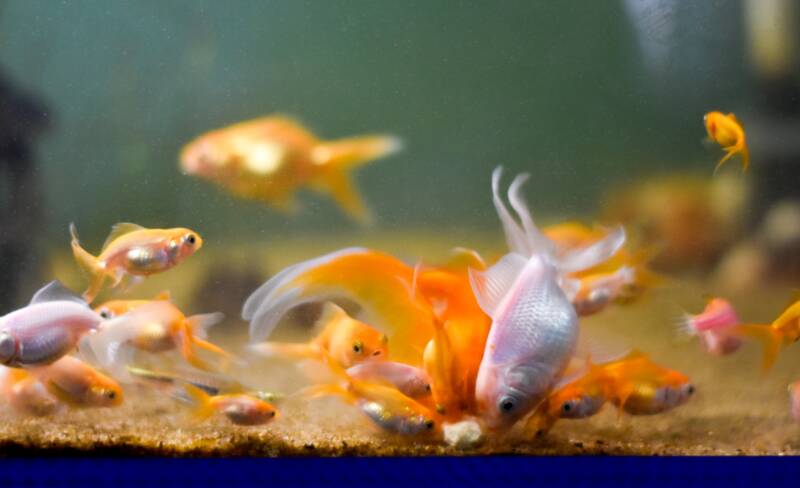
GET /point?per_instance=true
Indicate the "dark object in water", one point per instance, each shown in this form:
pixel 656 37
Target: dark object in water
pixel 23 119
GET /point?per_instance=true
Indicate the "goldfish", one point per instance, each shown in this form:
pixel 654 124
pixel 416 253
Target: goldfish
pixel 153 327
pixel 642 387
pixel 132 250
pixel 114 308
pixel 384 405
pixel 716 327
pixel 411 381
pixel 727 131
pixel 794 400
pixel 241 408
pixel 781 332
pixel 46 329
pixel 79 385
pixel 377 282
pixel 347 340
pixel 268 159
pixel 26 394
pixel 595 292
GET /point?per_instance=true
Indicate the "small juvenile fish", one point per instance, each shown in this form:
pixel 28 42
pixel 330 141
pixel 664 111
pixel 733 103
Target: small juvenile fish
pixel 46 329
pixel 642 387
pixel 794 400
pixel 597 291
pixel 386 406
pixel 131 250
pixel 727 131
pixel 270 158
pixel 26 394
pixel 240 408
pixel 79 385
pixel 716 327
pixel 347 340
pixel 115 308
pixel 156 326
pixel 409 380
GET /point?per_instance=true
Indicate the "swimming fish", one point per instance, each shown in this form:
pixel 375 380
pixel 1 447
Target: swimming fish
pixel 270 158
pixel 115 308
pixel 716 327
pixel 347 340
pixel 79 385
pixel 153 327
pixel 240 408
pixel 727 131
pixel 385 405
pixel 794 400
pixel 377 282
pixel 132 250
pixel 26 394
pixel 46 329
pixel 642 387
pixel 409 380
pixel 595 292
pixel 781 332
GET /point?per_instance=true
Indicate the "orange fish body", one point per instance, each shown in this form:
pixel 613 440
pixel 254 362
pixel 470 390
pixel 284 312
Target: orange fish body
pixel 642 387
pixel 269 158
pixel 781 332
pixel 385 405
pixel 347 340
pixel 378 282
pixel 115 308
pixel 240 408
pixel 79 385
pixel 728 132
pixel 26 394
pixel 132 250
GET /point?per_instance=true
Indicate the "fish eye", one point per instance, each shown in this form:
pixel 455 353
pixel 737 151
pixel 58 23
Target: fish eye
pixel 272 414
pixel 105 313
pixel 507 404
pixel 191 239
pixel 429 424
pixel 690 389
pixel 111 394
pixel 566 407
pixel 427 387
pixel 358 346
pixel 7 347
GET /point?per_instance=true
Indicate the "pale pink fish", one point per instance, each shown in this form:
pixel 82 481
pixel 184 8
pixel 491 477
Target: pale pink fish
pixel 715 327
pixel 534 325
pixel 794 400
pixel 411 381
pixel 26 394
pixel 46 329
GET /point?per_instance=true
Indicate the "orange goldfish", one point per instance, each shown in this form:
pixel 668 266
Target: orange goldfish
pixel 269 158
pixel 727 131
pixel 347 340
pixel 783 331
pixel 240 408
pixel 26 394
pixel 154 327
pixel 131 250
pixel 79 385
pixel 385 405
pixel 642 387
pixel 115 308
pixel 379 283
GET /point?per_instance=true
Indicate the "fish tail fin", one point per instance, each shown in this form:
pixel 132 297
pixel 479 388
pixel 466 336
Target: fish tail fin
pixel 745 157
pixel 204 407
pixel 339 158
pixel 769 337
pixel 89 264
pixel 729 154
pixel 286 350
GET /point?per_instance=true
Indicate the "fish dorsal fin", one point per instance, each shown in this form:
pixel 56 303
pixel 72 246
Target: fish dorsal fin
pixel 593 254
pixel 330 312
pixel 462 257
pixel 733 118
pixel 120 229
pixel 492 285
pixel 55 291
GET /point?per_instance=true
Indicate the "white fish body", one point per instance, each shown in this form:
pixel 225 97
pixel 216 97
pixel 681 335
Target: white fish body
pixel 533 335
